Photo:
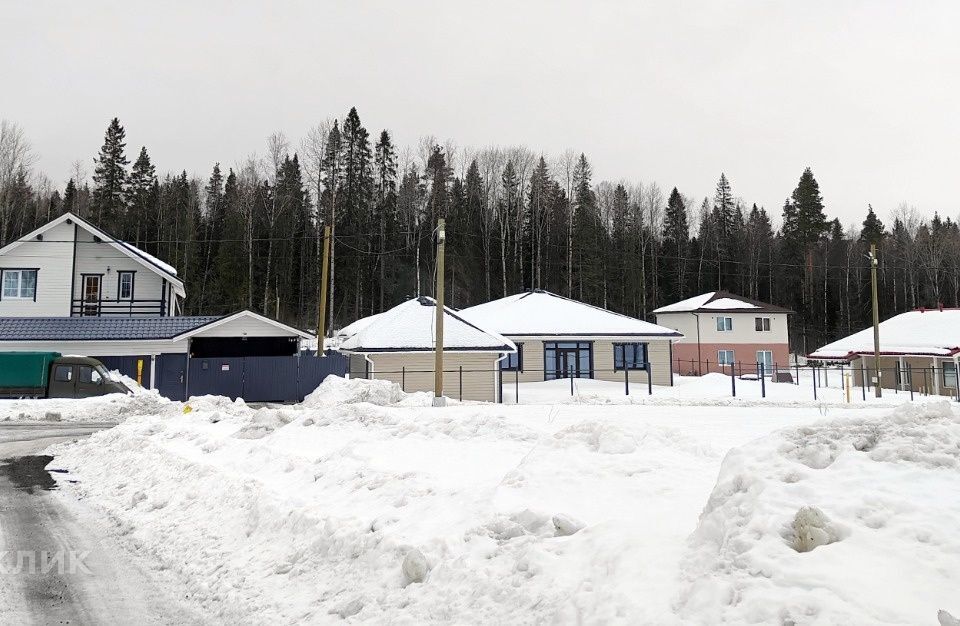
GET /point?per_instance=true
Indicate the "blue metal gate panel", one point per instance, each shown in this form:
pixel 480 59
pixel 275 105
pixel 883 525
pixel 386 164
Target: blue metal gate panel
pixel 127 365
pixel 313 370
pixel 220 376
pixel 172 376
pixel 270 378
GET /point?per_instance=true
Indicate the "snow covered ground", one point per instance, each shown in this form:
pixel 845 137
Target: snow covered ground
pixel 367 504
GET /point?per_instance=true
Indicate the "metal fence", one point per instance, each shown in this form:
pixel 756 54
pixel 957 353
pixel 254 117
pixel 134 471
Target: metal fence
pixel 838 383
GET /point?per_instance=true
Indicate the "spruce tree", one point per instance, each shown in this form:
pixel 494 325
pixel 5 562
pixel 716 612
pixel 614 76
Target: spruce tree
pixel 676 240
pixel 139 198
pixel 872 231
pixel 110 178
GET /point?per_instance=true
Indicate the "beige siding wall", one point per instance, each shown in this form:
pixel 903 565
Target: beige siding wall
pixel 657 351
pixel 744 327
pixel 478 375
pixel 533 366
pixel 919 369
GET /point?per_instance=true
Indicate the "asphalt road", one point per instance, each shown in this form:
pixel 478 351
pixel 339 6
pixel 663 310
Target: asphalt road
pixel 58 565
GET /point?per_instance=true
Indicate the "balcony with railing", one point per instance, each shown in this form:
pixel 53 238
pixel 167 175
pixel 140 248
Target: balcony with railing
pixel 81 307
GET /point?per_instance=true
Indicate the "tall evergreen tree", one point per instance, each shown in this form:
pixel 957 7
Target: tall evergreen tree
pixel 872 231
pixel 676 241
pixel 110 177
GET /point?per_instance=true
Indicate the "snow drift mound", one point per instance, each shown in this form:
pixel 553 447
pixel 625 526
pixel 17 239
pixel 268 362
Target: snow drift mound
pixel 336 390
pixel 822 524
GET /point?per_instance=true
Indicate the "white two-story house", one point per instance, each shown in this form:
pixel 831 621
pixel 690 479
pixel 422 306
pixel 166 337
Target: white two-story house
pixel 70 268
pixel 72 288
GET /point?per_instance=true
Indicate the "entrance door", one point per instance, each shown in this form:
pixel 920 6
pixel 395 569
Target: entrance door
pixel 91 294
pixel 765 358
pixel 566 359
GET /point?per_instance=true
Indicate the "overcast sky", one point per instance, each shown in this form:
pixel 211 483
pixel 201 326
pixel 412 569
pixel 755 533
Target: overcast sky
pixel 865 93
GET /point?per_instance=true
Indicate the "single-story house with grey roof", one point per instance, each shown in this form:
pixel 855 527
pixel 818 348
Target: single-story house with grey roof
pixel 234 355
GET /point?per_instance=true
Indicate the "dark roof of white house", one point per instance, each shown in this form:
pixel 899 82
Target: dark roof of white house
pixel 98 328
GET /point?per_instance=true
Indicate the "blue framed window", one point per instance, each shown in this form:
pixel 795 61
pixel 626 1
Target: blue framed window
pixel 567 359
pixel 513 362
pixel 631 356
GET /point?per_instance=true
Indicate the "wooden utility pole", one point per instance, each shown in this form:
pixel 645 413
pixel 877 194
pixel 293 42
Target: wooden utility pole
pixel 322 304
pixel 438 364
pixel 876 318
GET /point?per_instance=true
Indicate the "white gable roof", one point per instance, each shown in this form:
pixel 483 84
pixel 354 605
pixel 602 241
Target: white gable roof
pixel 541 313
pixel 147 260
pixel 720 301
pixel 410 327
pixel 928 332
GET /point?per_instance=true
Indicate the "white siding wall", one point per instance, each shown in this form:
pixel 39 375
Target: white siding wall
pixel 246 327
pixel 53 257
pixel 95 258
pixel 744 327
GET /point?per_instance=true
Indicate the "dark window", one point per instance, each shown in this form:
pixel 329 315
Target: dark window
pixel 762 323
pixel 629 356
pixel 63 373
pixel 89 375
pixel 514 362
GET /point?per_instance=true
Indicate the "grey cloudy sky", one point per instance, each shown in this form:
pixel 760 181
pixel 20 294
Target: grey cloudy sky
pixel 865 93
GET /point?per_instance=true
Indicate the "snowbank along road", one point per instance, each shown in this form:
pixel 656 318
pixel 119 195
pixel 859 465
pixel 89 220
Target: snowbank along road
pixel 56 566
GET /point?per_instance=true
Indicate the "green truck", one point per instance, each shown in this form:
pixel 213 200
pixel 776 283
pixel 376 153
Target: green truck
pixel 52 375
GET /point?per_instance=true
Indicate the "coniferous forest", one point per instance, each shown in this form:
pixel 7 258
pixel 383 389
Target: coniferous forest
pixel 249 234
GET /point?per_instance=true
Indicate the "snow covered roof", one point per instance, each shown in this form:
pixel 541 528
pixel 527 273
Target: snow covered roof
pixel 720 301
pixel 541 313
pixel 922 332
pixel 410 327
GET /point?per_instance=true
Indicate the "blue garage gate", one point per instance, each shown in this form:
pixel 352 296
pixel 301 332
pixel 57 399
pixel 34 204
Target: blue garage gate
pixel 263 378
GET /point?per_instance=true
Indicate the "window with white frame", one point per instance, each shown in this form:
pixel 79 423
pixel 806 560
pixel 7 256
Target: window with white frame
pixel 19 284
pixel 762 324
pixel 949 374
pixel 125 288
pixel 724 324
pixel 765 358
pixel 725 357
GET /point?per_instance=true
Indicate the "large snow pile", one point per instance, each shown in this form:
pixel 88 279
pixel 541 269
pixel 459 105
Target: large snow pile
pixel 842 522
pixel 468 514
pixel 336 390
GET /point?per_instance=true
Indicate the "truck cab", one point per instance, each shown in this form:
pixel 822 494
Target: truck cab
pixel 51 375
pixel 80 377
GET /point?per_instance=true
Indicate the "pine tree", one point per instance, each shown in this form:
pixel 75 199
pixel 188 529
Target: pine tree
pixel 385 163
pixel 110 177
pixel 811 221
pixel 724 226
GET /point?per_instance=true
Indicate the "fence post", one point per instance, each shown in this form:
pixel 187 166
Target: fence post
pixel 461 383
pixel 798 375
pixel 626 378
pixel 763 381
pixel 863 381
pixel 926 385
pixel 910 378
pixel 570 376
pixel 516 384
pixel 649 380
pixel 733 380
pixel 403 378
pixel 500 385
pixel 814 381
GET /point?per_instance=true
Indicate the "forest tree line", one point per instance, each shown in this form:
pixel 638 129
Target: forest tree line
pixel 249 235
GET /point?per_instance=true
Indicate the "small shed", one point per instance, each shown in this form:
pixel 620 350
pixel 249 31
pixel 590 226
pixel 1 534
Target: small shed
pixel 400 345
